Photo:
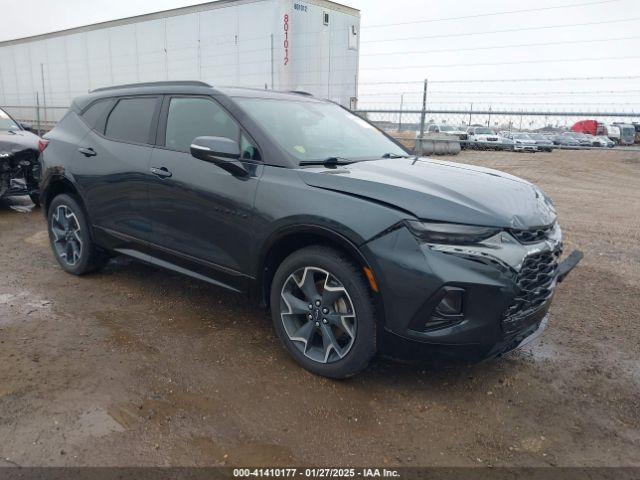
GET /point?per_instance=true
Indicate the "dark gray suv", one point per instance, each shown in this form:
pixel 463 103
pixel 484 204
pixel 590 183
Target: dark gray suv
pixel 356 246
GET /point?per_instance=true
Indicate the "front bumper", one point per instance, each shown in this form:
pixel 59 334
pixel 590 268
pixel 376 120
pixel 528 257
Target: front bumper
pixel 489 144
pixel 525 148
pixel 499 313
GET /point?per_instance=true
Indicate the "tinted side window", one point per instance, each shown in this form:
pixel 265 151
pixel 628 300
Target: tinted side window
pixel 189 118
pixel 96 114
pixel 131 120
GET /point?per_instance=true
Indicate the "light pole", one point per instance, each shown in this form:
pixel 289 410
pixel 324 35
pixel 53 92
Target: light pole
pixel 424 113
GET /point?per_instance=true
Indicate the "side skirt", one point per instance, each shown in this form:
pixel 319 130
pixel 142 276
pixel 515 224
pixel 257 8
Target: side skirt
pixel 163 257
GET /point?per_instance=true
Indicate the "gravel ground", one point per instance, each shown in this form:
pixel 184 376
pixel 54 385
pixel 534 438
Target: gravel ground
pixel 138 366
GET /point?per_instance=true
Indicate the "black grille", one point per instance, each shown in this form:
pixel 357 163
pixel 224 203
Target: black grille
pixel 532 235
pixel 535 283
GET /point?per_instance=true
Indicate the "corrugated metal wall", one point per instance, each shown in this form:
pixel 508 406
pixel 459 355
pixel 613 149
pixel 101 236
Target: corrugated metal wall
pixel 222 46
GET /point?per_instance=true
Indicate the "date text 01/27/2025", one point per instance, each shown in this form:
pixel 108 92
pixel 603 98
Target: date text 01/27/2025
pixel 315 472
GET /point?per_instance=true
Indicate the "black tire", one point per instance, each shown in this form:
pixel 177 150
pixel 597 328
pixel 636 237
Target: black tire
pixel 346 277
pixel 89 257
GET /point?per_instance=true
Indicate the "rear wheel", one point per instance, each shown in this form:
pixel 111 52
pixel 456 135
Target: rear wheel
pixel 70 237
pixel 323 312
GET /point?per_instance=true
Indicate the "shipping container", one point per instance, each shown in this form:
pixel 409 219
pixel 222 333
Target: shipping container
pixel 308 45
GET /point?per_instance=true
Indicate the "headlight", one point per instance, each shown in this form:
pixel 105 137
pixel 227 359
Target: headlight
pixel 450 233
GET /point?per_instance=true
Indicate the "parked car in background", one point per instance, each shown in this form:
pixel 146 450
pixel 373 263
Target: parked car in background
pixel 19 151
pixel 543 142
pixel 603 141
pixel 566 141
pixel 522 142
pixel 505 143
pixel 485 138
pixel 265 193
pixel 581 138
pixel 450 130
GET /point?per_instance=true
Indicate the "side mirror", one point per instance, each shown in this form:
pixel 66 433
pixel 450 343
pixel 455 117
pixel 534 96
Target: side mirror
pixel 26 126
pixel 223 152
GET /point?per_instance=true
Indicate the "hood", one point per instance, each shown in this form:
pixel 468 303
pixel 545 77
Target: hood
pixel 440 191
pixel 17 141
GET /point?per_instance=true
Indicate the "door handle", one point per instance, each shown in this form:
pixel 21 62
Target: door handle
pixel 161 172
pixel 87 151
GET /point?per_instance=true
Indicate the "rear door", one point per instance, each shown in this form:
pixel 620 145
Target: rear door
pixel 112 164
pixel 202 213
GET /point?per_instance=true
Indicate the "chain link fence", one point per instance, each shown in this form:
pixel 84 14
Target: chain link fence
pixel 407 124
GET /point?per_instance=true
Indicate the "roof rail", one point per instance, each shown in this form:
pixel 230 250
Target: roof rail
pixel 179 83
pixel 300 92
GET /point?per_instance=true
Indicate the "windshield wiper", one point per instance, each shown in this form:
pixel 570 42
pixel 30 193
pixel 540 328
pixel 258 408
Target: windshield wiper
pixel 329 162
pixel 393 155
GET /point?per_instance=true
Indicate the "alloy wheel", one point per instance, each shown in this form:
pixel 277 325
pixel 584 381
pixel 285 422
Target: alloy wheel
pixel 66 235
pixel 318 315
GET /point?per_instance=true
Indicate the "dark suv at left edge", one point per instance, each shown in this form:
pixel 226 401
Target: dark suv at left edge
pixel 356 246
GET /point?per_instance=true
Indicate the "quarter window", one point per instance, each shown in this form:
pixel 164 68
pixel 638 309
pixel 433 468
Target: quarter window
pixel 96 114
pixel 131 120
pixel 248 150
pixel 189 118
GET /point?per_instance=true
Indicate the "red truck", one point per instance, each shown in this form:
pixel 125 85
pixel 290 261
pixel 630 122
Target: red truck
pixel 590 126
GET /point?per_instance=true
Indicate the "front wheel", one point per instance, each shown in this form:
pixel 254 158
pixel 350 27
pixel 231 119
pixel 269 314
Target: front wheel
pixel 323 312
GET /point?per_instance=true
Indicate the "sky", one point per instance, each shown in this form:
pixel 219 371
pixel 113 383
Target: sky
pixel 410 40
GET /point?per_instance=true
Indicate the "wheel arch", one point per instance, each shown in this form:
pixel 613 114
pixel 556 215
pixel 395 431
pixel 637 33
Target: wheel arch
pixel 288 240
pixel 55 186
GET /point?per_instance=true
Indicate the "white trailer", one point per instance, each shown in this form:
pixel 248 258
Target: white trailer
pixel 309 45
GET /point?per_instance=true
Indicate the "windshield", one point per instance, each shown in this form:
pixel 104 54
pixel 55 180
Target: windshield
pixel 521 136
pixel 315 131
pixel 483 131
pixel 6 123
pixel 446 128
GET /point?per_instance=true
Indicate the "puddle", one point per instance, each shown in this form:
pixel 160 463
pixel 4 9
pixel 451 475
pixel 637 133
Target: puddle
pixel 129 414
pixel 97 423
pixel 21 304
pixel 122 337
pixel 541 350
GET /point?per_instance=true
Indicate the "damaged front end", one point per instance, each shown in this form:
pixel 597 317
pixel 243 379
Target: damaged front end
pixel 19 170
pixel 19 158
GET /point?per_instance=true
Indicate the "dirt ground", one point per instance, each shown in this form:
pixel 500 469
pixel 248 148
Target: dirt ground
pixel 138 366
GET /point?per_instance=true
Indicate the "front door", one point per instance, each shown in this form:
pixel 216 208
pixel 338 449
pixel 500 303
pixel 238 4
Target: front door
pixel 200 212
